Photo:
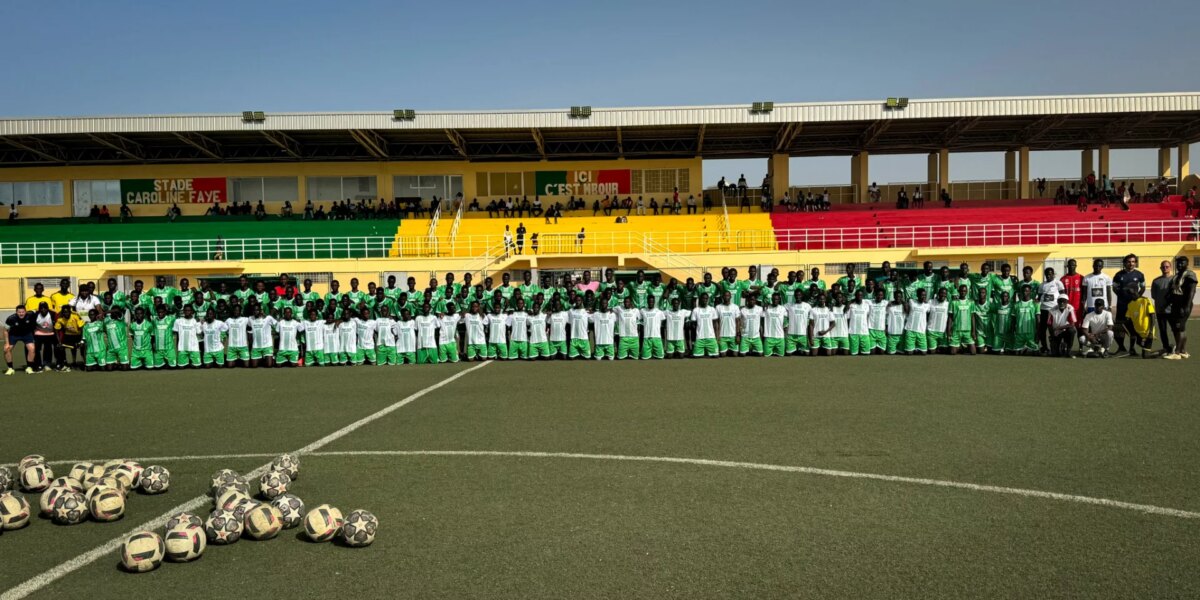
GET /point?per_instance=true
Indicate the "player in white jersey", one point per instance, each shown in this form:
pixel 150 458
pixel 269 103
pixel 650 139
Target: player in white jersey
pixel 604 323
pixel 497 326
pixel 705 318
pixel 579 318
pixel 288 331
pixel 897 312
pixel 877 322
pixel 237 350
pixel 333 343
pixel 775 327
pixel 628 319
pixel 347 332
pixel 675 345
pixel 858 330
pixel 475 325
pixel 1097 286
pixel 938 323
pixel 728 313
pixel 364 328
pixel 262 340
pixel 799 330
pixel 448 335
pixel 187 339
pixel 539 344
pixel 916 325
pixel 406 338
pixel 839 339
pixel 314 340
pixel 751 325
pixel 427 346
pixel 214 347
pixel 518 336
pixel 652 325
pixel 823 324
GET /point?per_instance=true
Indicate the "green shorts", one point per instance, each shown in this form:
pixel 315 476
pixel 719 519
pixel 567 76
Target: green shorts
pixel 860 343
pixel 727 344
pixel 959 338
pixel 406 358
pixel 498 351
pixel 334 358
pixel 604 350
pixel 652 348
pixel 141 358
pixel 580 348
pixel 183 358
pixel 313 358
pixel 386 355
pixel 795 343
pixel 935 340
pixel 518 349
pixel 705 347
pixel 214 358
pixel 476 351
pixel 96 359
pixel 427 356
pixel 915 341
pixel 540 349
pixel 835 343
pixel 751 344
pixel 878 339
pixel 368 355
pixel 357 357
pixel 117 356
pixel 164 357
pixel 287 356
pixel 1002 341
pixel 232 354
pixel 628 347
pixel 558 348
pixel 675 346
pixel 895 343
pixel 1024 341
pixel 447 353
pixel 773 346
pixel 983 338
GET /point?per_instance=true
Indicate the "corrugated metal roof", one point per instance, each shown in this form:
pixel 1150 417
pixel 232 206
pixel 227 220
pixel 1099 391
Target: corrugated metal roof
pixel 809 112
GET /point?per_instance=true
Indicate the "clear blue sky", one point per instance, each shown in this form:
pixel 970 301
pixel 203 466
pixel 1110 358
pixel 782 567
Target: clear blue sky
pixel 125 57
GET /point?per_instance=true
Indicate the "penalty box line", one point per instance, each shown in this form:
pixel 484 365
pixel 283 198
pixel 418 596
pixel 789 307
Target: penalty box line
pixel 51 575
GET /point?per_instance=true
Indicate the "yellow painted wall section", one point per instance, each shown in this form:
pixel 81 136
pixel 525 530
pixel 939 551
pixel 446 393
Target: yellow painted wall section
pixel 382 171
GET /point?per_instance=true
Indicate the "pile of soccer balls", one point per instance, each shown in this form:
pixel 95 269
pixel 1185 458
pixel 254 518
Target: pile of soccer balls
pixel 89 491
pixel 236 514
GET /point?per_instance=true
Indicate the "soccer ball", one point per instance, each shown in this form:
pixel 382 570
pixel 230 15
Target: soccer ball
pixel 70 508
pixel 226 476
pixel 36 478
pixel 31 460
pixel 100 488
pixel 67 482
pixel 135 468
pixel 126 474
pixel 273 483
pixel 359 529
pixel 229 497
pixel 79 470
pixel 7 479
pixel 185 542
pixel 291 509
pixel 107 505
pixel 142 552
pixel 46 500
pixel 287 463
pixel 223 528
pixel 183 518
pixel 263 522
pixel 224 488
pixel 92 475
pixel 110 465
pixel 113 482
pixel 322 523
pixel 14 511
pixel 244 506
pixel 155 479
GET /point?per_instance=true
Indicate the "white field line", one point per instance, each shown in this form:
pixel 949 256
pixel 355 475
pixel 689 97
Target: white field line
pixel 42 580
pixel 974 487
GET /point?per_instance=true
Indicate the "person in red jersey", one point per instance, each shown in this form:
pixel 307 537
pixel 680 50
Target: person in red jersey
pixel 1072 283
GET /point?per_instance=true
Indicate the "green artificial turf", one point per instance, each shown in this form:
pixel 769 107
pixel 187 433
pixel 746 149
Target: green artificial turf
pixel 529 527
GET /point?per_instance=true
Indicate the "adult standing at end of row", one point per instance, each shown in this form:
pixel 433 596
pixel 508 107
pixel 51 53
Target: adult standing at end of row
pixel 1181 296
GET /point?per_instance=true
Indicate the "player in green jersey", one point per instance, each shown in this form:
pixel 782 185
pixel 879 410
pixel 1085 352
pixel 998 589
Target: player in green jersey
pixel 142 332
pixel 1025 321
pixel 1002 323
pixel 962 321
pixel 982 310
pixel 118 339
pixel 95 343
pixel 164 338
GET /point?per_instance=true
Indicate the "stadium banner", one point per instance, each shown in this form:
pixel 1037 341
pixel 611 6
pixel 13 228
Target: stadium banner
pixel 201 190
pixel 583 183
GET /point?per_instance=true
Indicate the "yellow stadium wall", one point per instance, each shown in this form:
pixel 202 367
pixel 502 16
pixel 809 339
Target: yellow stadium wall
pixel 382 171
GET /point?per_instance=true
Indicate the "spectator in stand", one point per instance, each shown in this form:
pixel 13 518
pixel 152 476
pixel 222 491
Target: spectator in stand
pixel 536 210
pixel 873 192
pixel 286 212
pixel 742 186
pixel 918 200
pixel 1041 187
pixel 533 243
pixel 721 187
pixel 1128 285
pixel 260 211
pixel 1060 195
pixel 691 202
pixel 1182 297
pixel 13 213
pixel 946 200
pixel 1160 293
pixel 1090 182
pixel 708 203
pixel 521 238
pixel 493 211
pixel 126 212
pixel 474 205
pixel 1192 203
pixel 901 199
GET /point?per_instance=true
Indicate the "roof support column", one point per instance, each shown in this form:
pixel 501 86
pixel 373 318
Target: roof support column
pixel 1103 162
pixel 1023 172
pixel 1185 167
pixel 777 170
pixel 943 170
pixel 860 175
pixel 1086 167
pixel 1164 161
pixel 932 172
pixel 1010 174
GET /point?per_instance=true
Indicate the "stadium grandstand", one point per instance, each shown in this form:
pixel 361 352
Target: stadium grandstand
pixel 402 192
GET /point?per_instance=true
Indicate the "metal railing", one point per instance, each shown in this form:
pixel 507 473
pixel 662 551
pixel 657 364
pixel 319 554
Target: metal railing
pixel 664 243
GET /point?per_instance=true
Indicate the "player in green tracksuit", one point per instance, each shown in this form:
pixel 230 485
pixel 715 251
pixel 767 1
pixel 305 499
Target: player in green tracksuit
pixel 984 331
pixel 164 339
pixel 142 331
pixel 1002 319
pixel 95 341
pixel 962 326
pixel 118 339
pixel 1025 319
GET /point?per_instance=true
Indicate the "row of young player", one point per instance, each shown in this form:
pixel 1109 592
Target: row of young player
pixel 828 324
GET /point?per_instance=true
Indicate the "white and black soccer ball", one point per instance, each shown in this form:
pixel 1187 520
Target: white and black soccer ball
pixel 135 468
pixel 244 506
pixel 224 477
pixel 79 470
pixel 222 527
pixel 67 482
pixel 273 483
pixel 262 522
pixel 107 505
pixel 110 481
pixel 287 463
pixel 36 478
pixel 142 552
pixel 359 529
pixel 229 497
pixel 70 508
pixel 322 523
pixel 91 493
pixel 46 500
pixel 14 511
pixel 185 542
pixel 30 460
pixel 183 518
pixel 226 488
pixel 92 476
pixel 125 474
pixel 291 509
pixel 155 479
